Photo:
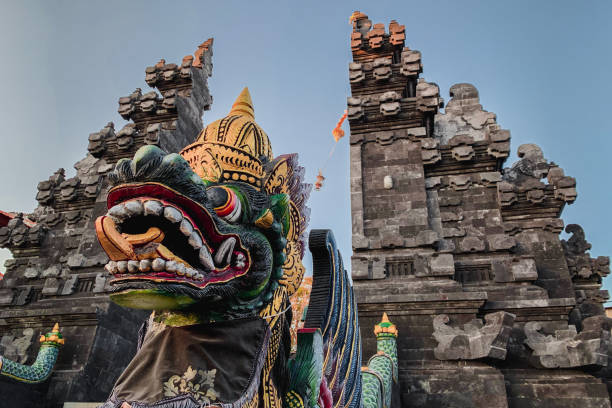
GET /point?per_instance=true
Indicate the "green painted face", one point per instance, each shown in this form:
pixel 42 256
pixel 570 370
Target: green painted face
pixel 178 243
pixel 152 299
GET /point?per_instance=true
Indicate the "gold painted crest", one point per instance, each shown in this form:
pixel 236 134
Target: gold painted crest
pixel 231 148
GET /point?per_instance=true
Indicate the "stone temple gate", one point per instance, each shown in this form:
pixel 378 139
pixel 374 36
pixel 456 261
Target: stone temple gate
pixel 463 254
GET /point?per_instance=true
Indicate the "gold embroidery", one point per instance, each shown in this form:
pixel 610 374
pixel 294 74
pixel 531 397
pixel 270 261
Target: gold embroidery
pixel 270 395
pixel 254 403
pixel 202 390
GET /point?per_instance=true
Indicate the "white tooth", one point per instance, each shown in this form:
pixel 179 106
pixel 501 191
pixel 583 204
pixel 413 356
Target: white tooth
pixel 180 269
pixel 133 207
pixel 122 266
pixel 171 266
pixel 133 266
pixel 190 272
pixel 172 214
pixel 118 213
pixel 111 267
pixel 199 277
pixel 145 265
pixel 240 260
pixel 185 227
pixel 158 264
pixel 194 240
pixel 153 207
pixel 206 258
pixel 224 253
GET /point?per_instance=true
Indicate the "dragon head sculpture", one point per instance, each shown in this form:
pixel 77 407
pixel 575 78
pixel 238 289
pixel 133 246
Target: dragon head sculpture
pixel 218 228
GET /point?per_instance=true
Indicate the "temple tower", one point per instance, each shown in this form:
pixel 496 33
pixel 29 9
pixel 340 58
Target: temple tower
pixel 464 255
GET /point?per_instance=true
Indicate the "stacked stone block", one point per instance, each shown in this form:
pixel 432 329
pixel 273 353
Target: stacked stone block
pixel 461 252
pixel 57 271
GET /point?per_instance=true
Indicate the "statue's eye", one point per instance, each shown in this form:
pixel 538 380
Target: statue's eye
pixel 226 203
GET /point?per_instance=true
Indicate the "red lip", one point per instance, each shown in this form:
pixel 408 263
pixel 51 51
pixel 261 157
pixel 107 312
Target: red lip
pixel 200 219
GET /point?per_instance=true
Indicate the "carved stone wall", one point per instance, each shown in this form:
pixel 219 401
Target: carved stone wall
pixel 57 272
pixel 457 237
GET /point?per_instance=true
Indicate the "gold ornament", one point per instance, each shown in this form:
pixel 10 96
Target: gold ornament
pixel 231 148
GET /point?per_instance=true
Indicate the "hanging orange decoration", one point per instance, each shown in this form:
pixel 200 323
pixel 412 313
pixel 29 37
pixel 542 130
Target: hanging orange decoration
pixel 319 183
pixel 338 132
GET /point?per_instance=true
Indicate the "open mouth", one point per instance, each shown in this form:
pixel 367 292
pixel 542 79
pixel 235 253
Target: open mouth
pixel 153 233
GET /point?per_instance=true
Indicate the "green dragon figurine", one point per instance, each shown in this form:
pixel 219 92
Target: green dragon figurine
pixel 211 240
pixel 41 369
pixel 381 372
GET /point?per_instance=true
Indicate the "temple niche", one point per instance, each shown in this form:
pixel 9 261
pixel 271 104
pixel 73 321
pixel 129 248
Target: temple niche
pixel 462 251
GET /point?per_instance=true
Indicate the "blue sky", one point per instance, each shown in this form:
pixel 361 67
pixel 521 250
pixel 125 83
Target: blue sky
pixel 543 67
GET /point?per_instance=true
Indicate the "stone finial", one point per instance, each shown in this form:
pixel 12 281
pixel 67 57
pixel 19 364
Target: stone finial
pixel 530 151
pixel 20 231
pixel 200 52
pixel 355 108
pixel 97 141
pixel 397 33
pixel 500 143
pixel 127 104
pixel 361 23
pixel 411 63
pixel 473 340
pixel 428 96
pixel 464 116
pixel 382 68
pixel 125 137
pixel 356 40
pixel 376 36
pixel 389 103
pixel 579 261
pixel 430 153
pixel 464 92
pixel 532 164
pixel 464 99
pixel 356 73
pixel 462 147
pixel 69 189
pixel 46 189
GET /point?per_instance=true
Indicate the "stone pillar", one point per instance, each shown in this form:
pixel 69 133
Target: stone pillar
pixel 446 240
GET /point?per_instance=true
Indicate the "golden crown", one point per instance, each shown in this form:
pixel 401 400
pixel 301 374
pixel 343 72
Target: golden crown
pixel 231 148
